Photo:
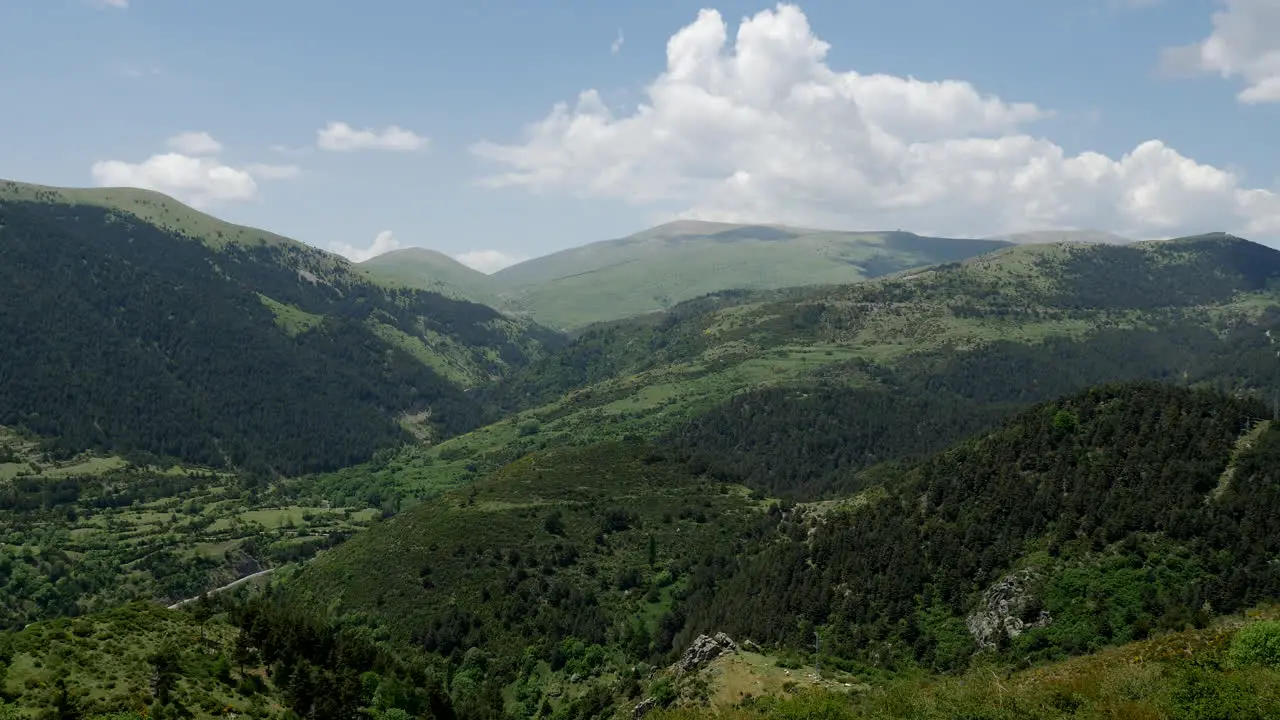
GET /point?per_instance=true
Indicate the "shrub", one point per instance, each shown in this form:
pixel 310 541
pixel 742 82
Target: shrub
pixel 1257 644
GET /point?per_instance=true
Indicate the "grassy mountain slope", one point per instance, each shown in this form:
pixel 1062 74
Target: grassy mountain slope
pixel 126 337
pixel 431 270
pixel 964 343
pixel 161 211
pixel 662 266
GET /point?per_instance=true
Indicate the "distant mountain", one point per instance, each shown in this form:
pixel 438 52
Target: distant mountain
pixel 1058 236
pixel 431 270
pixel 662 266
pixel 222 345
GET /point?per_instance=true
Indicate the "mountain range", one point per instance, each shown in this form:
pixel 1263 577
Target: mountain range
pixel 665 265
pixel 945 460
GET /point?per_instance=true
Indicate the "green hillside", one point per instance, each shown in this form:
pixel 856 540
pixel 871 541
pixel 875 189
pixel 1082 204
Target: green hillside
pixel 430 270
pixel 1097 519
pixel 938 353
pixel 135 339
pixel 663 266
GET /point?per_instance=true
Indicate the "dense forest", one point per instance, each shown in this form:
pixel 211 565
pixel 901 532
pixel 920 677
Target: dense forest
pixel 1117 487
pixel 808 439
pixel 1130 508
pixel 123 338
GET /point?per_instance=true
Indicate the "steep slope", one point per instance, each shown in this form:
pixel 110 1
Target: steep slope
pixel 126 337
pixel 953 348
pixel 431 270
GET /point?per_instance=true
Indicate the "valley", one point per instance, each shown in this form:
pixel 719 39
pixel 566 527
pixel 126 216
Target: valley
pixel 990 479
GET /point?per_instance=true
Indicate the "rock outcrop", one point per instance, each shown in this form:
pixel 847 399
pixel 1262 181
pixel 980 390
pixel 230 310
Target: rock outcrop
pixel 703 650
pixel 644 707
pixel 1008 608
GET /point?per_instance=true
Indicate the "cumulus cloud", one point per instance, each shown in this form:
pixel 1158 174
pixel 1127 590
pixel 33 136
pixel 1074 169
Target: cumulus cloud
pixel 190 172
pixel 1244 44
pixel 194 143
pixel 616 46
pixel 766 130
pixel 341 137
pixel 487 261
pixel 384 242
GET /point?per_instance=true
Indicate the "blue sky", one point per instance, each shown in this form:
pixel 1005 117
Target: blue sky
pixel 954 118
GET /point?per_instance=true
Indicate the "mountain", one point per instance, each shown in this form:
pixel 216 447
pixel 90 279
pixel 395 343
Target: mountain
pixel 430 270
pixel 902 364
pixel 1060 236
pixel 660 267
pixel 1099 518
pixel 224 346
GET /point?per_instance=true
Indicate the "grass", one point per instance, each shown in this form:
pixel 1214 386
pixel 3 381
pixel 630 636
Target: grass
pixel 150 206
pixel 107 663
pixel 1185 675
pixel 663 266
pixel 294 321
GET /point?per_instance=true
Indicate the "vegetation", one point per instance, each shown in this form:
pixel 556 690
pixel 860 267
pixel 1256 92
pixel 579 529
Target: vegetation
pixel 95 533
pixel 957 348
pixel 1037 483
pixel 663 266
pixel 1188 675
pixel 430 270
pixel 162 329
pixel 1098 519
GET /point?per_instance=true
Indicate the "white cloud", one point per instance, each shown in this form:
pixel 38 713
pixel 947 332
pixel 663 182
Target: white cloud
pixel 487 261
pixel 616 46
pixel 194 143
pixel 1244 44
pixel 341 137
pixel 191 172
pixel 383 242
pixel 117 4
pixel 765 130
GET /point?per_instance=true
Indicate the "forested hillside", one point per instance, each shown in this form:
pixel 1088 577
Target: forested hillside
pixel 1119 487
pixel 900 367
pixel 127 338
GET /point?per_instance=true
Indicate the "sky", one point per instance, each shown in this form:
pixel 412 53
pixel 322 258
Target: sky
pixel 498 130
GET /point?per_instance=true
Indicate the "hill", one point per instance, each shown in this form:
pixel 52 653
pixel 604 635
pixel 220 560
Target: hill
pixel 222 347
pixel 430 270
pixel 1060 236
pixel 663 266
pixel 1097 519
pixel 898 365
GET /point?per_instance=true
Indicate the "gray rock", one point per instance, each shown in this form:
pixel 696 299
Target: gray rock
pixel 1003 609
pixel 644 707
pixel 705 649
